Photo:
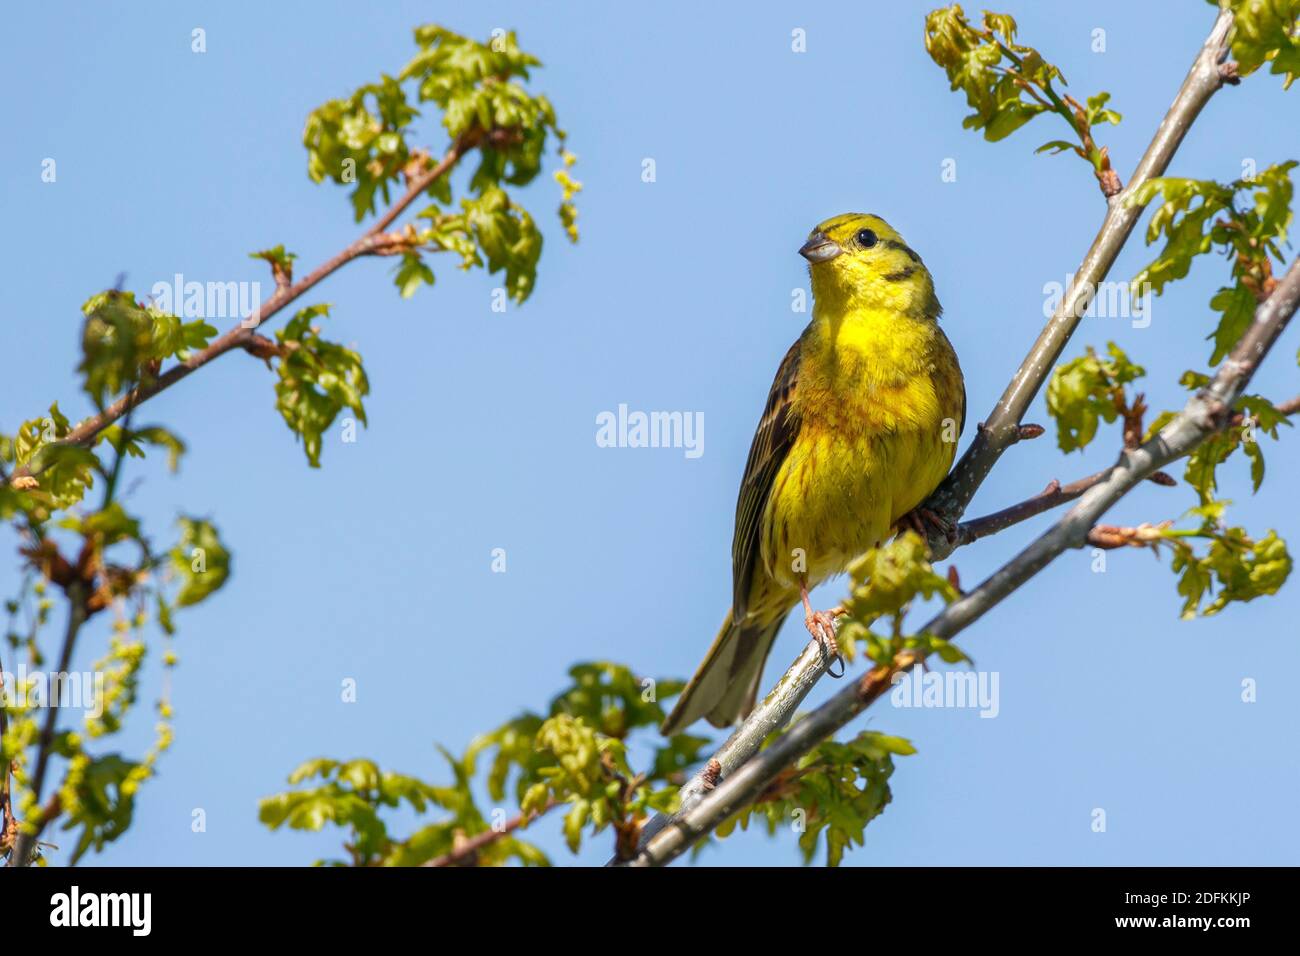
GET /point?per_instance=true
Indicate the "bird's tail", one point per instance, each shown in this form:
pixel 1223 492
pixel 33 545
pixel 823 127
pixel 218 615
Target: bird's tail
pixel 726 684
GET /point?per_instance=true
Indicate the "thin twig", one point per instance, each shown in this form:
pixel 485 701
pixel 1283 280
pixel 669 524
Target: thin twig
pixel 1058 494
pixel 466 850
pixel 1050 497
pixel 76 592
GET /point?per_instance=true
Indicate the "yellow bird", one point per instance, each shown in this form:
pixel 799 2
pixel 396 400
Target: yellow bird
pixel 860 426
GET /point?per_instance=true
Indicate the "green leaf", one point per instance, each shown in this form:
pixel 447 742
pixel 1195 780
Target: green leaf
pixel 129 443
pixel 411 274
pixel 281 263
pixel 1256 457
pixel 1087 390
pixel 1259 415
pixel 1189 206
pixel 123 343
pixel 1243 568
pixel 1097 112
pixel 835 791
pixel 1197 216
pixel 362 141
pixel 1006 83
pixel 574 821
pixel 107 526
pixel 62 473
pixel 1056 146
pixel 200 560
pixel 1237 307
pixel 885 581
pixel 103 790
pixel 1266 31
pixel 117 341
pixel 317 380
pixel 1203 463
pixel 888 578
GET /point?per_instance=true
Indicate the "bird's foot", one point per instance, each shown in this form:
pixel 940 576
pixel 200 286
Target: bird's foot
pixel 928 524
pixel 821 625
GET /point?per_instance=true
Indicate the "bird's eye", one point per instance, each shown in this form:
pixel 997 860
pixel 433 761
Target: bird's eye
pixel 866 238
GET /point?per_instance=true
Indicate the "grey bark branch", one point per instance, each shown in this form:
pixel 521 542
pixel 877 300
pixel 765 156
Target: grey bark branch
pixel 1205 413
pixel 769 716
pixel 1002 429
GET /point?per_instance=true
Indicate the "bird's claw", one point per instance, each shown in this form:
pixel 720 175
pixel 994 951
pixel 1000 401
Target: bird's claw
pixel 929 524
pixel 821 625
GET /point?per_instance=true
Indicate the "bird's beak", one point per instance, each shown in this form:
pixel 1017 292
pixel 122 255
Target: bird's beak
pixel 820 248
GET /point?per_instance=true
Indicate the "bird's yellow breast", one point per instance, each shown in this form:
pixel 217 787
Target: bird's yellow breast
pixel 879 401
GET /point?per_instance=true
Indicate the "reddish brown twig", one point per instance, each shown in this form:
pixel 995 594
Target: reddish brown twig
pixel 1054 494
pixel 1110 536
pixel 467 850
pixel 1105 173
pixel 1132 416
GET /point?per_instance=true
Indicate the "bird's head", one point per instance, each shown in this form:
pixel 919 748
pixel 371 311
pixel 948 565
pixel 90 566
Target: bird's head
pixel 858 260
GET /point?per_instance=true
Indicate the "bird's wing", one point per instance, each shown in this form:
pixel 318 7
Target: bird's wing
pixel 952 354
pixel 776 433
pixel 961 427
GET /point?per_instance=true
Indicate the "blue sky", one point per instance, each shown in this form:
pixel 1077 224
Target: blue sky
pixel 482 429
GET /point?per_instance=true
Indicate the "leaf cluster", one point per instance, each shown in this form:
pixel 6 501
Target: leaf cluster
pixel 364 141
pixel 1233 567
pixel 1007 83
pixel 1088 390
pixel 123 343
pixel 1266 31
pixel 575 755
pixel 317 380
pixel 1200 215
pixel 883 584
pixel 829 796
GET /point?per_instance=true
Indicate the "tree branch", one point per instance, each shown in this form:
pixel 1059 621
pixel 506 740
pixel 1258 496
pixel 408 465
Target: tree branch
pixel 1056 493
pixel 1206 413
pixel 1003 428
pixel 769 716
pixel 371 241
pixel 999 432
